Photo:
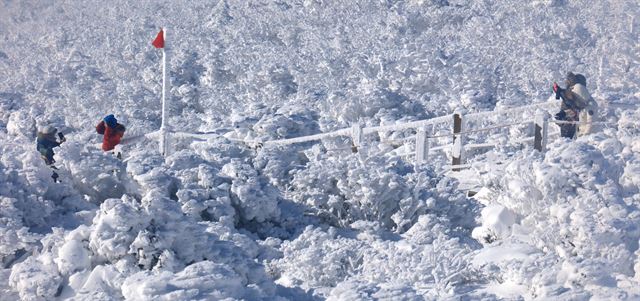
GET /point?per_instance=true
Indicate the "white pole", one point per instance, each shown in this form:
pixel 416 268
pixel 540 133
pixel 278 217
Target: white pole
pixel 163 126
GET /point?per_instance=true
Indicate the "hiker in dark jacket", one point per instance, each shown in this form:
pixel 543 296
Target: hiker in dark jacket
pixel 572 105
pixel 46 141
pixel 112 131
pixel 588 112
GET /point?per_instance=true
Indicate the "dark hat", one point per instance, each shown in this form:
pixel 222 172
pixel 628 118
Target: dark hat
pixel 571 78
pixel 111 121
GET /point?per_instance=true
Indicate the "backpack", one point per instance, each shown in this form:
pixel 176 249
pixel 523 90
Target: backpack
pixel 584 98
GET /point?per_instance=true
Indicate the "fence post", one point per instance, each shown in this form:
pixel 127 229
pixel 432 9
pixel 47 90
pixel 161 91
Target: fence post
pixel 458 143
pixel 422 146
pixel 356 137
pixel 541 130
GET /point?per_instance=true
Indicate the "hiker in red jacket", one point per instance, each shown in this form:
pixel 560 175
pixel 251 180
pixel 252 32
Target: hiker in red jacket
pixel 112 131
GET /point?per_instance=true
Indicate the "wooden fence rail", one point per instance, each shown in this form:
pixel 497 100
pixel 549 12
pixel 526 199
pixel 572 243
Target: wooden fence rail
pixel 424 140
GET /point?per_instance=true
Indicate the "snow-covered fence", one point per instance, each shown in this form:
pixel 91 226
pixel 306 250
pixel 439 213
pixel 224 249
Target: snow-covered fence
pixel 458 142
pixel 461 130
pixel 423 138
pixel 541 131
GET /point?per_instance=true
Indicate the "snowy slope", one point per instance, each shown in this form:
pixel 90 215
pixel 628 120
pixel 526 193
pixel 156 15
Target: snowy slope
pixel 220 220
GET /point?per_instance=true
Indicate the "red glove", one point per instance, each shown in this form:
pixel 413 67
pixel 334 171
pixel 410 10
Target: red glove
pixel 555 87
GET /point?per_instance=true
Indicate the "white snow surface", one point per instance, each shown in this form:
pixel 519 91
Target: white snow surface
pixel 218 219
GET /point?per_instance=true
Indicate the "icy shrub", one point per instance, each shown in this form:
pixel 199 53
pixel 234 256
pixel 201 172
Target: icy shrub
pixel 278 164
pixel 628 129
pixel 183 161
pixel 630 179
pixel 628 135
pixel 21 124
pixel 251 194
pixel 319 258
pixel 74 255
pixel 140 162
pixel 386 190
pixel 105 181
pixel 126 227
pixel 149 173
pixel 219 150
pixel 427 259
pixel 364 290
pixel 636 266
pixel 203 193
pixel 36 279
pixel 429 256
pixel 152 234
pixel 15 238
pixel 208 204
pixel 568 205
pixel 205 280
pixel 209 191
pixel 496 224
pixel 24 173
pixel 25 179
pixel 286 123
pixel 477 99
pixel 115 227
pixel 343 190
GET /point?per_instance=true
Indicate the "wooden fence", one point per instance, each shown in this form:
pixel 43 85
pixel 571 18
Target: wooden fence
pixel 425 136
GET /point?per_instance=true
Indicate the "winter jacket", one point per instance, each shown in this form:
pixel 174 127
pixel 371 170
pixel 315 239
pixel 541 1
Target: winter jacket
pixel 579 95
pixel 45 144
pixel 112 136
pixel 588 108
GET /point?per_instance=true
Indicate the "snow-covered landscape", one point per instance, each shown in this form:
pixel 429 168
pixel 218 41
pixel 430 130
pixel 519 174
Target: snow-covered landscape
pixel 226 215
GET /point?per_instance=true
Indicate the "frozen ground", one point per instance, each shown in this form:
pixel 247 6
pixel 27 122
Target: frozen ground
pixel 220 220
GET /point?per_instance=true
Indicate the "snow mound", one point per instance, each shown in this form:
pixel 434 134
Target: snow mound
pixel 129 244
pixel 573 218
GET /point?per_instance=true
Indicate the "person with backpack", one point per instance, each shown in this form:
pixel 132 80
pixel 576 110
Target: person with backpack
pixel 577 105
pixel 112 131
pixel 46 141
pixel 588 114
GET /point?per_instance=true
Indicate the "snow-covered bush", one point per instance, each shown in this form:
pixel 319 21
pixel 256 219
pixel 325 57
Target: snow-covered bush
pixel 252 195
pixel 36 279
pixel 319 258
pixel 570 205
pixel 386 190
pixel 97 174
pixel 337 263
pixel 279 164
pixel 205 280
pixel 286 123
pixel 25 182
pixel 192 225
pixel 21 123
pixel 129 236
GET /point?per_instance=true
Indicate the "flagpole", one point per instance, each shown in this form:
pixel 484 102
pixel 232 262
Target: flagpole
pixel 163 126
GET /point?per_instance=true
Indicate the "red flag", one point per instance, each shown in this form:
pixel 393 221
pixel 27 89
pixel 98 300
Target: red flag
pixel 159 41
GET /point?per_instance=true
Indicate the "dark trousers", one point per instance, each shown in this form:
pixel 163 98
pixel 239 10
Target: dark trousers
pixel 566 130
